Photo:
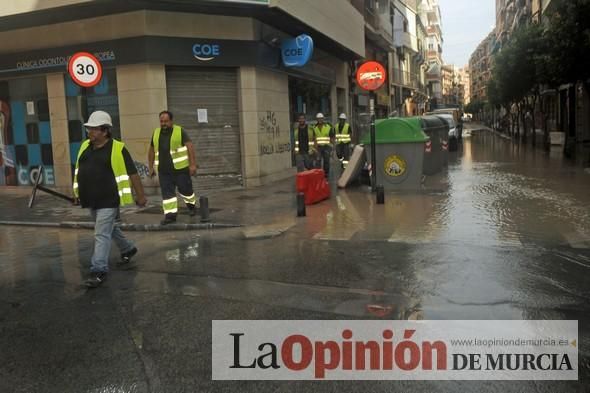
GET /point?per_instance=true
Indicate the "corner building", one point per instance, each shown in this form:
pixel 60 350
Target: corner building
pixel 215 64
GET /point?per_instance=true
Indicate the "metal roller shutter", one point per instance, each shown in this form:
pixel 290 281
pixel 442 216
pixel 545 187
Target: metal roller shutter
pixel 217 143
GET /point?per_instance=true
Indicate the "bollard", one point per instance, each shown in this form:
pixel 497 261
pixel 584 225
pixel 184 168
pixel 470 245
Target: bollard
pixel 380 195
pixel 204 203
pixel 301 205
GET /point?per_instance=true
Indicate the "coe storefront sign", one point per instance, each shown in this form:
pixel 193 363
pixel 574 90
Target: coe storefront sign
pixel 298 51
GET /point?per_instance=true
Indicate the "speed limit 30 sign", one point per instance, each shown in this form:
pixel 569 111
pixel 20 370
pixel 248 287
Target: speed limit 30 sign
pixel 85 69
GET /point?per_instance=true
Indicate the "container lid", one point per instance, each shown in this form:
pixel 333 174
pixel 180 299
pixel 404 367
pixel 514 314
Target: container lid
pixel 430 122
pixel 397 130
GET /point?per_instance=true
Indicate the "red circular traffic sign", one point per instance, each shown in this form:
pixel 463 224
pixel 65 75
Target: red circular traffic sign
pixel 85 69
pixel 371 75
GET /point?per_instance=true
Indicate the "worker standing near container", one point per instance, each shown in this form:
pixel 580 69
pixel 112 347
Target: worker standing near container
pixel 343 134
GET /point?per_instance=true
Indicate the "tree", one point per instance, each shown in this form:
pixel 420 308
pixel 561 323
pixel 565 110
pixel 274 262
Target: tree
pixel 568 43
pixel 515 75
pixel 474 107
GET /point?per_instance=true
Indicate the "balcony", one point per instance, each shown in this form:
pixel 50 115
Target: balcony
pixel 404 39
pixel 406 79
pixel 378 26
pixel 372 19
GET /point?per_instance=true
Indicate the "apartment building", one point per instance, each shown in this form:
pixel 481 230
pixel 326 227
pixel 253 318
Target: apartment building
pixel 480 64
pixel 464 80
pixel 430 12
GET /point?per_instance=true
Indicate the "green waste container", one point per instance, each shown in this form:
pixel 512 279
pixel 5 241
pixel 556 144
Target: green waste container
pixel 400 152
pixel 436 155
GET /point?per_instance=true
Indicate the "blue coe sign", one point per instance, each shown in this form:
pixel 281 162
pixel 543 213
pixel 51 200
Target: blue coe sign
pixel 206 52
pixel 297 52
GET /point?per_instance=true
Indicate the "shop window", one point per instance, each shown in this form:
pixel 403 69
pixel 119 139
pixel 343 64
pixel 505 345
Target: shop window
pixel 75 131
pixel 46 155
pixel 81 102
pixel 32 133
pixel 25 129
pixel 22 155
pixel 309 98
pixel 43 110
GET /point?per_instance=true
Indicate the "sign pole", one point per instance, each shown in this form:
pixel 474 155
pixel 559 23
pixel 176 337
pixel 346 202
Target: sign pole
pixel 373 143
pixel 371 76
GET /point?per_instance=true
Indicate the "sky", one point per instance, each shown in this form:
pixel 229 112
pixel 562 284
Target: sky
pixel 465 23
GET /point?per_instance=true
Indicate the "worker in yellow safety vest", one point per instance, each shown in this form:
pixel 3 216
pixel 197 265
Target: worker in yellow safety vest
pixel 324 136
pixel 172 155
pixel 305 144
pixel 104 178
pixel 343 139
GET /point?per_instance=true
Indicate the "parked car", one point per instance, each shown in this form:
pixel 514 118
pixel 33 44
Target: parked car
pixel 453 131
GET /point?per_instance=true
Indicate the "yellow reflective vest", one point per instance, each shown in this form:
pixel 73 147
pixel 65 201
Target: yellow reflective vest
pixel 322 134
pixel 343 135
pixel 178 152
pixel 310 135
pixel 119 170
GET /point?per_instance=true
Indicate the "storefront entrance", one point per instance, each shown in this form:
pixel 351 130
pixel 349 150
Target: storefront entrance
pixel 205 103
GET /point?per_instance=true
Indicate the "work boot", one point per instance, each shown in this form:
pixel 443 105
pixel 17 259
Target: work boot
pixel 192 210
pixel 96 279
pixel 125 261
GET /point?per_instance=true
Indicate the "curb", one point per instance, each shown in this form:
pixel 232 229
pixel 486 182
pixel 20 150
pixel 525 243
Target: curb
pixel 125 227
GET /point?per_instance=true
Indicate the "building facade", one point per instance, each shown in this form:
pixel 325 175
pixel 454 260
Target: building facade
pixel 430 12
pixel 407 70
pixel 464 80
pixel 449 86
pixel 215 64
pixel 480 70
pixel 510 14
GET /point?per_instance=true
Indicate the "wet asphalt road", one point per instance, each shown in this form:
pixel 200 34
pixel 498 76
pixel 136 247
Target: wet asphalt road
pixel 504 234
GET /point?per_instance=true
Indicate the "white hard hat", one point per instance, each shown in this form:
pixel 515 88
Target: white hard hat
pixel 320 116
pixel 98 119
pixel 342 116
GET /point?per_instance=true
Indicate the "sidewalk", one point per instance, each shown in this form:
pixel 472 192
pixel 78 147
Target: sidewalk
pixel 262 212
pixel 227 209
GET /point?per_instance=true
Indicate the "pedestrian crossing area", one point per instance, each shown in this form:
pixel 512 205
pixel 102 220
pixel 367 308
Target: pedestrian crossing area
pixel 359 231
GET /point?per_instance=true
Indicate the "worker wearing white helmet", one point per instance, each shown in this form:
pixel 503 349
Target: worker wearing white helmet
pixel 343 139
pixel 104 176
pixel 324 134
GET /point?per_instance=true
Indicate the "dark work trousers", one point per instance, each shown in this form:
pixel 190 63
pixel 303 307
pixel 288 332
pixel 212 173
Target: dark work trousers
pixel 325 155
pixel 343 151
pixel 169 182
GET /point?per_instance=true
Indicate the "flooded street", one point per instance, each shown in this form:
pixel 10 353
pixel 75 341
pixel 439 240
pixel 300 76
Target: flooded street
pixel 503 234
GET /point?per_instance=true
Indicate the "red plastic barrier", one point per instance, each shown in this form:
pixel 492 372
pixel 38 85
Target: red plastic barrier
pixel 314 185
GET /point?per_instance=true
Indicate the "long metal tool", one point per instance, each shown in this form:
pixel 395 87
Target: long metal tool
pixel 38 186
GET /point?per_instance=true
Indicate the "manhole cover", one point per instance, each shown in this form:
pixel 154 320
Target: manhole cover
pixel 181 210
